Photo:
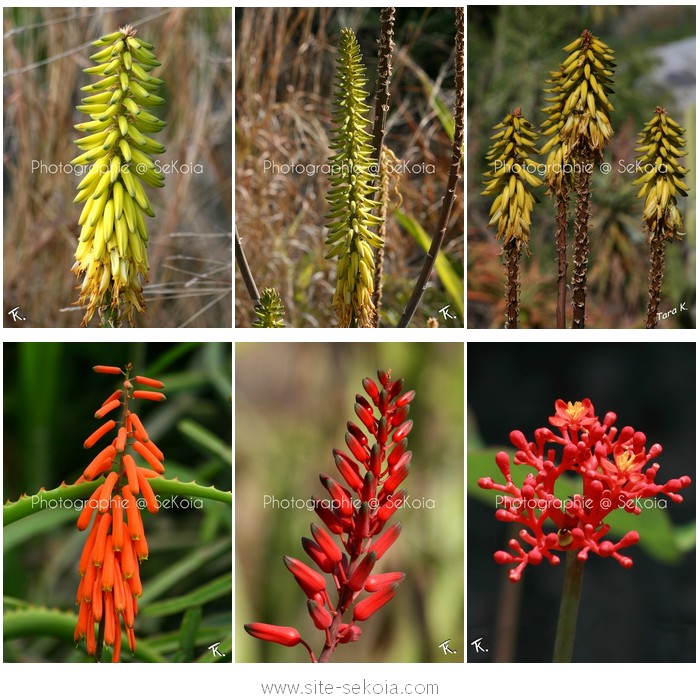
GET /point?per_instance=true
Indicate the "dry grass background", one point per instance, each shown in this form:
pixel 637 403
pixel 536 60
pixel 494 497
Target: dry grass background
pixel 285 62
pixel 45 50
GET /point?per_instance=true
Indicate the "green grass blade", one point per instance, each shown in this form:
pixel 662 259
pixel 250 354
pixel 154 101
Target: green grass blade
pixel 210 591
pixel 206 440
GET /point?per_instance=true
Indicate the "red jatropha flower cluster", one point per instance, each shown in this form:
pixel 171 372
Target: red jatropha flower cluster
pixel 109 566
pixel 357 515
pixel 612 467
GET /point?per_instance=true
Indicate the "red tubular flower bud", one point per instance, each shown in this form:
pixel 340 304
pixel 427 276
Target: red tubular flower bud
pixel 102 430
pixel 365 416
pixel 378 581
pixel 357 433
pixel 357 580
pixel 310 581
pixel 388 509
pixel 367 607
pixel 360 453
pixel 147 491
pixel 348 633
pixel 330 519
pixel 403 462
pixel 363 402
pixel 104 410
pixel 362 522
pixel 395 454
pixel 371 388
pixel 383 402
pixel 326 543
pixel 147 381
pixel 85 557
pixel 89 508
pixel 348 470
pixel 98 551
pixel 395 388
pixel 286 636
pixel 397 476
pixel 104 500
pixel 384 377
pixel 319 614
pixel 383 430
pixel 406 398
pixel 155 450
pixel 105 369
pixel 131 473
pixel 139 430
pixel 375 460
pixel 150 395
pixel 117 523
pixel 317 555
pixel 121 439
pixel 380 546
pixel 369 487
pixel 403 430
pixel 338 494
pixel 400 415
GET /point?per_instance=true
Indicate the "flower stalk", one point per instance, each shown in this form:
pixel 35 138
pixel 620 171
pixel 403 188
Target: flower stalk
pixel 568 610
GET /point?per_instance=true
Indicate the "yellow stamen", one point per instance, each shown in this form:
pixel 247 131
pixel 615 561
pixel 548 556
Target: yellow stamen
pixel 575 410
pixel 624 460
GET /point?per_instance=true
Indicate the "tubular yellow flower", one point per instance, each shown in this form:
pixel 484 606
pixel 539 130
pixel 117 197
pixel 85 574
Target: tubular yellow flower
pixel 349 235
pixel 111 254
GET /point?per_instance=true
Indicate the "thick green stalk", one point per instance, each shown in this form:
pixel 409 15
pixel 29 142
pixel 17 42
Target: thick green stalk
pixel 568 611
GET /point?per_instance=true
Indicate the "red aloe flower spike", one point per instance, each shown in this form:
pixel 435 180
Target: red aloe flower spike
pixel 356 522
pixel 367 607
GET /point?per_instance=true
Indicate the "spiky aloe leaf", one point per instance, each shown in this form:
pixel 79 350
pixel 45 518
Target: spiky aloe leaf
pixel 352 171
pixel 111 254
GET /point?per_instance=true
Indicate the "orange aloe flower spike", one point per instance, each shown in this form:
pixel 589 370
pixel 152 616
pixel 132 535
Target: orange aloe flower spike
pixel 151 502
pixel 106 369
pixel 141 449
pixel 150 395
pixel 102 430
pixel 130 467
pixel 146 381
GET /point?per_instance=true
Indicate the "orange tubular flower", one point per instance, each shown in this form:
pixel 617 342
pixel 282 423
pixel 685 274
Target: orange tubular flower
pixel 109 565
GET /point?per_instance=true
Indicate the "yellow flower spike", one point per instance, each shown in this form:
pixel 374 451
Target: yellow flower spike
pixel 111 253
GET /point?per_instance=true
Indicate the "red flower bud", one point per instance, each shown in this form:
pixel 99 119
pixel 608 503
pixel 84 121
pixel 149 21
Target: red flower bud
pixel 319 614
pixel 361 453
pixel 330 519
pixel 147 381
pixel 348 633
pixel 396 452
pixel 348 470
pixel 400 415
pixel 401 432
pixel 383 402
pixel 287 636
pixel 375 460
pixel 357 433
pixel 392 504
pixel 380 546
pixel 397 476
pixel 383 430
pixel 406 398
pixel 310 581
pixel 317 555
pixel 384 377
pixel 379 581
pixel 365 416
pixel 367 607
pixel 340 496
pixel 326 543
pixel 395 388
pixel 362 521
pixel 371 389
pixel 363 570
pixel 369 487
pixel 104 369
pixel 403 462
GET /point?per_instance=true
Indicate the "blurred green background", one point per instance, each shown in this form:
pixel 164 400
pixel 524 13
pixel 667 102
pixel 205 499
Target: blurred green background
pixel 510 51
pixel 50 396
pixel 292 403
pixel 45 50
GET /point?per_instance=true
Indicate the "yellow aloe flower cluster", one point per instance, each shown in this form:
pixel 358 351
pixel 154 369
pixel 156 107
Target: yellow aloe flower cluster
pixel 511 174
pixel 349 235
pixel 662 144
pixel 579 115
pixel 111 254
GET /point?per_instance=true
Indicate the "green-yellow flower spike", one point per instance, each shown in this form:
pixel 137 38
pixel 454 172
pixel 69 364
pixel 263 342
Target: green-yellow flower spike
pixel 270 310
pixel 511 176
pixel 352 171
pixel 111 254
pixel 579 116
pixel 662 144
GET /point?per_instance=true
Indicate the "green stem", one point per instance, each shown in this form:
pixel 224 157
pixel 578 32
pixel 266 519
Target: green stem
pixel 27 505
pixel 568 611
